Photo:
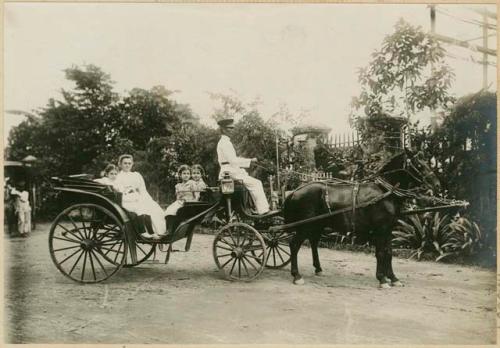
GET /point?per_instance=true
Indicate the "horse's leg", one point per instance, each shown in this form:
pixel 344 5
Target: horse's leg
pixel 388 262
pixel 295 244
pixel 314 249
pixel 380 254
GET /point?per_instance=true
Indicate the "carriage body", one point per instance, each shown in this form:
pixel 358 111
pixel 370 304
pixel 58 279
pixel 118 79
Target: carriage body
pixel 94 236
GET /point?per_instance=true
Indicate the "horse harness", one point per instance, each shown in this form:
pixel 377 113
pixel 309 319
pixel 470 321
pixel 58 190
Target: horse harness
pixel 355 190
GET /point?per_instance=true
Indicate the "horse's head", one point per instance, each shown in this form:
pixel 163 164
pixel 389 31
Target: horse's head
pixel 419 169
pixel 409 170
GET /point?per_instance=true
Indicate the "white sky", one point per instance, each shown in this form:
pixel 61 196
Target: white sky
pixel 303 55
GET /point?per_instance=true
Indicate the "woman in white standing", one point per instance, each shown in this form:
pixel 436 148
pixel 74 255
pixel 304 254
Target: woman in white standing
pixel 137 199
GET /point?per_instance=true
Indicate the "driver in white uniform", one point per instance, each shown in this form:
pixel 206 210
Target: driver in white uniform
pixel 233 164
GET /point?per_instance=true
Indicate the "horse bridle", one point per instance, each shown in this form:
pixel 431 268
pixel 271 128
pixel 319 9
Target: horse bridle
pixel 408 167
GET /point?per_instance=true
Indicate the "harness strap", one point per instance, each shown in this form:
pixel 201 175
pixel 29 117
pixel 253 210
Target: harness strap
pixel 327 198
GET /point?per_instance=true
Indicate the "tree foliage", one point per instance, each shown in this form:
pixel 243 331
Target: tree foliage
pixel 464 150
pixel 407 75
pixel 92 125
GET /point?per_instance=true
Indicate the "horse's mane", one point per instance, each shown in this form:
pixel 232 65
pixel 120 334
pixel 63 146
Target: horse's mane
pixel 394 162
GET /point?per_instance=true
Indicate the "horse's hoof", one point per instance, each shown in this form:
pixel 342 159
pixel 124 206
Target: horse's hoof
pixel 299 281
pixel 384 286
pixel 319 274
pixel 397 284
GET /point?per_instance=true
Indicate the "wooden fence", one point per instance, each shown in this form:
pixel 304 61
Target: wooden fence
pixel 346 140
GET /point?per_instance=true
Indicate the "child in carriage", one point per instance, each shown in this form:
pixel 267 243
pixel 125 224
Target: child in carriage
pixel 183 193
pixel 198 184
pixel 108 175
pixel 188 190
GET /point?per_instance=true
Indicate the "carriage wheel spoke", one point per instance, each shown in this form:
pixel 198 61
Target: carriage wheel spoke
pixel 83 223
pixel 237 238
pixel 232 238
pixel 239 268
pixel 226 242
pixel 67 258
pixel 84 264
pixel 286 252
pixel 73 268
pixel 68 231
pixel 274 256
pixel 113 250
pixel 71 247
pixel 224 255
pixel 225 263
pixel 232 267
pixel 283 237
pixel 100 263
pixel 68 240
pixel 141 249
pixel 76 227
pixel 224 248
pixel 118 252
pixel 245 266
pixel 258 259
pixel 251 263
pixel 92 265
pixel 110 240
pixel 279 254
pixel 243 239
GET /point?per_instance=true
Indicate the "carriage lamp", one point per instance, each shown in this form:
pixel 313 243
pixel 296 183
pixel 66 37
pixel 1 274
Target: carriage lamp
pixel 226 184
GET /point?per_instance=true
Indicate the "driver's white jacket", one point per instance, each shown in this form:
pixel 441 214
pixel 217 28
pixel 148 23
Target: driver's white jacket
pixel 235 165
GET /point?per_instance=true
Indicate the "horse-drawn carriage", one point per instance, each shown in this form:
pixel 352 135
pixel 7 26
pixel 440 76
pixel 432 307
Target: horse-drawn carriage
pixel 94 237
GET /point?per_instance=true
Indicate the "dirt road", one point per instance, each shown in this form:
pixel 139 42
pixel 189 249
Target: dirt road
pixel 188 302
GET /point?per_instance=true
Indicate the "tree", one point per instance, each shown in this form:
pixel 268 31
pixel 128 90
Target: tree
pixel 69 133
pixel 407 75
pixel 464 151
pixel 92 125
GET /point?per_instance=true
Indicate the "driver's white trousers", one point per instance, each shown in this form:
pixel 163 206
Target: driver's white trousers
pixel 256 190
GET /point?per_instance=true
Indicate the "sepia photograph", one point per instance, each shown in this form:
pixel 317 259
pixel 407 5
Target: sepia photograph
pixel 250 173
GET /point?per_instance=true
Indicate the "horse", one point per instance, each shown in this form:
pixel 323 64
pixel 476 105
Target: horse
pixel 376 212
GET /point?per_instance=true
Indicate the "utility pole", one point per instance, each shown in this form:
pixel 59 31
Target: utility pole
pixel 484 49
pixel 485 45
pixel 433 32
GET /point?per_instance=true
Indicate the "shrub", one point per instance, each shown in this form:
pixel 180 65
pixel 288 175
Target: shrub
pixel 436 233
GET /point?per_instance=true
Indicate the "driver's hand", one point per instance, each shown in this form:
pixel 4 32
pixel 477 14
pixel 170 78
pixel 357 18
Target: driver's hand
pixel 253 160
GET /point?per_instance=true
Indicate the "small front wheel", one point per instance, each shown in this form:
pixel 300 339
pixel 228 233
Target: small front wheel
pixel 240 251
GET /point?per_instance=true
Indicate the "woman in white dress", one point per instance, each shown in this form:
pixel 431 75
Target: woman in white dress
pixel 137 199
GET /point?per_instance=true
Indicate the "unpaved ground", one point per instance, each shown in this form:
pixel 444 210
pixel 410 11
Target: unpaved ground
pixel 187 301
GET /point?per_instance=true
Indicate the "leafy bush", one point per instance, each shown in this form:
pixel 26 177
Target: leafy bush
pixel 436 233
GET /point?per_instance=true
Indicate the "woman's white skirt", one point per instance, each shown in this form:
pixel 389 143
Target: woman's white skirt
pixel 173 208
pixel 145 206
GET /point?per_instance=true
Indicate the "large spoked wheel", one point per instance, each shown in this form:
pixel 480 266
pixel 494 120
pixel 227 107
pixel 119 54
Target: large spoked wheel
pixel 144 251
pixel 236 248
pixel 278 249
pixel 87 243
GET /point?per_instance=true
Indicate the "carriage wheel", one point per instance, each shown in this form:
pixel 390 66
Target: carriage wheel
pixel 240 251
pixel 144 252
pixel 278 249
pixel 87 243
